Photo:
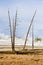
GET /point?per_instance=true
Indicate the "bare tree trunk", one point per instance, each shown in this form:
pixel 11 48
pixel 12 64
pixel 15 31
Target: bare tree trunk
pixel 10 30
pixel 29 30
pixel 13 35
pixel 32 38
pixel 14 29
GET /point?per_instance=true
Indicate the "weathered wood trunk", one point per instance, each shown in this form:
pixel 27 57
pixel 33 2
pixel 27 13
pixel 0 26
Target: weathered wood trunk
pixel 29 30
pixel 10 31
pixel 14 29
pixel 32 38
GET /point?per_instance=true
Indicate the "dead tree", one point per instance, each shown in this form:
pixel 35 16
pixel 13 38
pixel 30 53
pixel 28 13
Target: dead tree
pixel 14 29
pixel 10 30
pixel 12 34
pixel 32 37
pixel 29 30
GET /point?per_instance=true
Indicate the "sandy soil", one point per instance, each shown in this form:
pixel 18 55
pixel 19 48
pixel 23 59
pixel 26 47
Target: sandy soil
pixel 14 59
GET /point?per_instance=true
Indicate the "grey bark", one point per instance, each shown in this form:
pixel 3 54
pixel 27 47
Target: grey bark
pixel 32 37
pixel 12 34
pixel 10 31
pixel 14 29
pixel 29 30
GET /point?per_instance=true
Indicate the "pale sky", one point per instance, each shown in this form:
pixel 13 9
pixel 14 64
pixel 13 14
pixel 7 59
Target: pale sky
pixel 26 9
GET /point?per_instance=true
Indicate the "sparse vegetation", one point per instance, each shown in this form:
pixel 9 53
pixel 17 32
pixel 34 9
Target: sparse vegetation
pixel 38 39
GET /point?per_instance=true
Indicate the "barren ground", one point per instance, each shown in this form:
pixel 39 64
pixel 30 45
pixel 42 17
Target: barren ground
pixel 34 57
pixel 14 59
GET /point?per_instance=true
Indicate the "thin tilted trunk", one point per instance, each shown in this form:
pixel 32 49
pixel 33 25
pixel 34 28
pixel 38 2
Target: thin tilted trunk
pixel 14 29
pixel 32 38
pixel 10 30
pixel 29 30
pixel 13 39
